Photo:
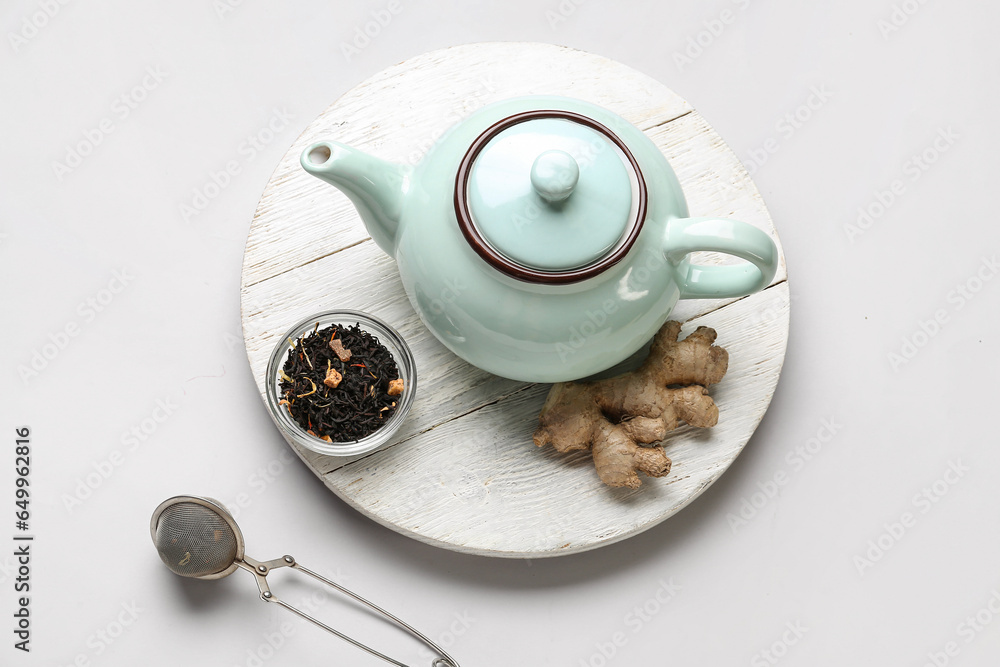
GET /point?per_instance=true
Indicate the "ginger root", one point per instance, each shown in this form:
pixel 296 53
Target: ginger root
pixel 615 417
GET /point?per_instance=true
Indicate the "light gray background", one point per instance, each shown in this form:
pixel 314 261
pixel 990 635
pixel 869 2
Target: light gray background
pixel 172 334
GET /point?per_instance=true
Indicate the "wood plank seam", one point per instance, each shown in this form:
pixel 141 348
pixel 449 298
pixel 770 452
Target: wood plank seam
pixel 525 387
pixel 469 478
pixel 649 128
pixel 308 262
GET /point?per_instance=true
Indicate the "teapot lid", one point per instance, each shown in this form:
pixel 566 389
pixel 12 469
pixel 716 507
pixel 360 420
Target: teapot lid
pixel 550 196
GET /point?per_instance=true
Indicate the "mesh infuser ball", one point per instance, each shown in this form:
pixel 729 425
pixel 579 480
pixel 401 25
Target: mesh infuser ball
pixel 195 541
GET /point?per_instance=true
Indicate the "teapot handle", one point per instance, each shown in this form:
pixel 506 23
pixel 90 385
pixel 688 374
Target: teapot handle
pixel 698 281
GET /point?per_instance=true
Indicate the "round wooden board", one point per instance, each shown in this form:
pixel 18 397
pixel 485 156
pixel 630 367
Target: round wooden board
pixel 462 472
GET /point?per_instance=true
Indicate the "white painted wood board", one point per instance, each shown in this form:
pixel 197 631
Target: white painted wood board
pixel 462 472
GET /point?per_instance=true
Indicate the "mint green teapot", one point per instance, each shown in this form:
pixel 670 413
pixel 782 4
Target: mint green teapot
pixel 543 238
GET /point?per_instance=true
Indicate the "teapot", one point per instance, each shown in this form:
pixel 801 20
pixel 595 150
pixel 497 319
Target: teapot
pixel 543 238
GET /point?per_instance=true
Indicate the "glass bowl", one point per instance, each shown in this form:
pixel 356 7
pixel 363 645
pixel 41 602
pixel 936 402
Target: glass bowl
pixel 386 335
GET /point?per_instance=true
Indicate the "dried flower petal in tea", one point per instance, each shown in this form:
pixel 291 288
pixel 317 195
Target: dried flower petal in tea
pixel 340 400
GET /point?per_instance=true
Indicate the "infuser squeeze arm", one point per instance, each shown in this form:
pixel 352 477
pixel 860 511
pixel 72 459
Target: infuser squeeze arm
pixel 197 537
pixel 260 571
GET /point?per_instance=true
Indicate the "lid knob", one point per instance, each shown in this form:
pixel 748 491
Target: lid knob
pixel 554 174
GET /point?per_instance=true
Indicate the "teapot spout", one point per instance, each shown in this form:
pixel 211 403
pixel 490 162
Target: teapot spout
pixel 376 187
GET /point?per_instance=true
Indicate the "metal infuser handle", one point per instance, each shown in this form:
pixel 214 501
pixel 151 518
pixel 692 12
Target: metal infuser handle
pixel 260 571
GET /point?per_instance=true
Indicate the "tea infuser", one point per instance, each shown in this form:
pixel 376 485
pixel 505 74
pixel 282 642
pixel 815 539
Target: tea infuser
pixel 198 537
